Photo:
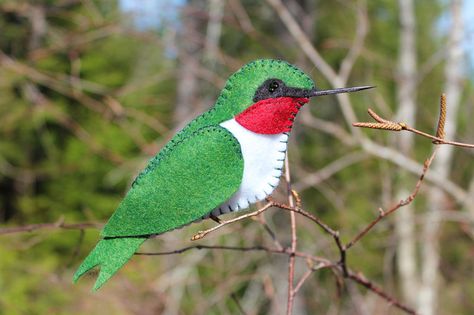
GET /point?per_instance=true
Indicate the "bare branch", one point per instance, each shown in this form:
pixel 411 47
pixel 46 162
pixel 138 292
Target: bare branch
pixel 199 247
pixel 50 226
pixel 270 232
pixel 202 234
pixel 305 277
pixel 400 126
pixel 291 262
pixel 362 280
pixel 397 206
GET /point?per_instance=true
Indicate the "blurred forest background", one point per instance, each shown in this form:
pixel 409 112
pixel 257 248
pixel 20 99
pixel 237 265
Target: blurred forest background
pixel 90 90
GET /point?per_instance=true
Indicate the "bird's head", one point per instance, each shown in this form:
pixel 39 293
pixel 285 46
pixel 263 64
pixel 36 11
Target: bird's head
pixel 265 95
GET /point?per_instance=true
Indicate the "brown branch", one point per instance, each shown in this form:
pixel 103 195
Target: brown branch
pixel 270 232
pixel 362 280
pixel 306 214
pixel 304 277
pixel 321 263
pixel 324 226
pixel 202 234
pixel 292 195
pixel 385 124
pixel 342 263
pixel 50 226
pixel 199 247
pixel 344 247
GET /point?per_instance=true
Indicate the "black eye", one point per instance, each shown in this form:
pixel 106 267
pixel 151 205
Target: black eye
pixel 273 86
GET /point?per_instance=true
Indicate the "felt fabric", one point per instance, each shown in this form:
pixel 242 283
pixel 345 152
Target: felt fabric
pixel 192 177
pixel 110 255
pixel 264 155
pixel 271 116
pixel 194 173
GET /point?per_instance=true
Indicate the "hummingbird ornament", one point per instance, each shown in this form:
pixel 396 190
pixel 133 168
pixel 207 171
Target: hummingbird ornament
pixel 226 159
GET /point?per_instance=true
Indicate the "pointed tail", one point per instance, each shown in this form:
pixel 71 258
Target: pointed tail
pixel 110 255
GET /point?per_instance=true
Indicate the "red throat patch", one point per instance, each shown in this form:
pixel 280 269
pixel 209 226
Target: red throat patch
pixel 272 115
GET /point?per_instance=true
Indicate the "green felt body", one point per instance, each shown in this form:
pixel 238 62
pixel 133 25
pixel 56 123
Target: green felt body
pixel 166 195
pixel 193 176
pixel 198 170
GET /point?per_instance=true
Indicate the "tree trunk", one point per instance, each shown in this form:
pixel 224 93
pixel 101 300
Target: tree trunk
pixel 406 96
pixel 188 52
pixel 428 294
pixel 213 35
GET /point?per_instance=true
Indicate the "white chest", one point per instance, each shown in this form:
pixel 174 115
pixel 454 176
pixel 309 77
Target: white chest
pixel 264 156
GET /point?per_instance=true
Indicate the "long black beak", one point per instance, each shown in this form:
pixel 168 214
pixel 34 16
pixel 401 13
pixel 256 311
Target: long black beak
pixel 315 92
pixel 293 92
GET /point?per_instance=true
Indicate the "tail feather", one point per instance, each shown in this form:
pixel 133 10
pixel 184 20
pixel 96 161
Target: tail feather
pixel 110 255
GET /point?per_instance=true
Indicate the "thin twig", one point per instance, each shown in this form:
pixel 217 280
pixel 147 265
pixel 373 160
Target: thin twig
pixel 50 226
pixel 324 226
pixel 310 271
pixel 306 214
pixel 270 232
pixel 199 247
pixel 236 301
pixel 362 280
pixel 294 239
pixel 304 277
pixel 385 124
pixel 201 234
pixel 320 261
pixel 395 207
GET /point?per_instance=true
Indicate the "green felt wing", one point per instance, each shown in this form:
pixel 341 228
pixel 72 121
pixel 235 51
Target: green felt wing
pixel 190 179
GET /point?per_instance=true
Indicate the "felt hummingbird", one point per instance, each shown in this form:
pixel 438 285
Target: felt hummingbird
pixel 226 159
